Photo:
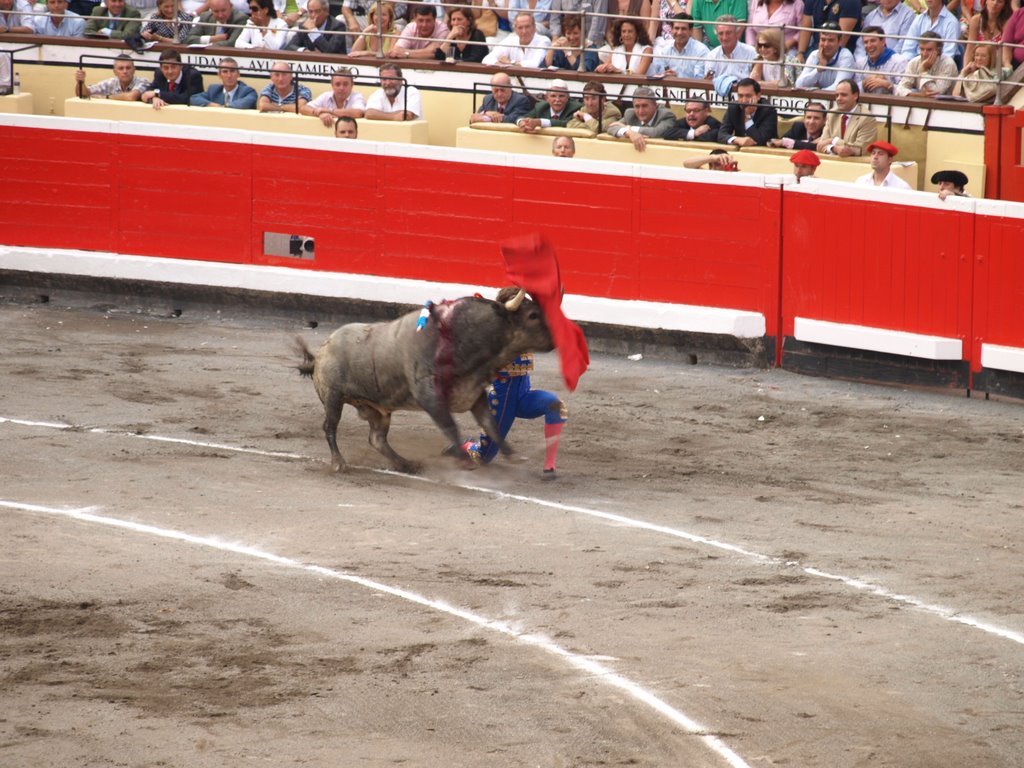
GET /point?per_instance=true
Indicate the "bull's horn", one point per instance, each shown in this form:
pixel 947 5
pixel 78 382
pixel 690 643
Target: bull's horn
pixel 513 304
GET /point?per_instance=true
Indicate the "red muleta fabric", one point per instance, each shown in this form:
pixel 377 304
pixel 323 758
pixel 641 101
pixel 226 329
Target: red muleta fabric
pixel 530 263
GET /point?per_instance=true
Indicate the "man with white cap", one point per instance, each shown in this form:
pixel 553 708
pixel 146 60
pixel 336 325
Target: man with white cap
pixel 882 153
pixel 644 120
pixel 554 111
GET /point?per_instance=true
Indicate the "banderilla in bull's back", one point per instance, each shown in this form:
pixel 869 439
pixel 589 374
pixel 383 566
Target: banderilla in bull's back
pixel 442 367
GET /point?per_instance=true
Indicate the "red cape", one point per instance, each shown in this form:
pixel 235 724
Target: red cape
pixel 531 264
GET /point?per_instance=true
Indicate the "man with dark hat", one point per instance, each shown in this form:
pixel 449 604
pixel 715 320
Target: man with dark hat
pixel 805 163
pixel 950 183
pixel 882 153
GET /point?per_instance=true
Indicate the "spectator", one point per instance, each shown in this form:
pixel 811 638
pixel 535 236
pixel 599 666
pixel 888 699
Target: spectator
pixel 806 133
pixel 767 69
pixel 563 146
pixel 265 29
pixel 717 160
pixel 632 52
pixel 1013 35
pixel 597 23
pixel 714 10
pixel 635 10
pixel 682 55
pixel 850 129
pixel 122 22
pixel 731 57
pixel 319 32
pixel 221 26
pixel 422 36
pixel 882 153
pixel 125 85
pixel 231 92
pixel 885 65
pixel 950 183
pixel 391 101
pixel 539 9
pixel 503 105
pixel 805 163
pixel 697 124
pixel 644 120
pixel 894 17
pixel 526 48
pixel 13 17
pixel 750 120
pixel 59 21
pixel 173 83
pixel 281 95
pixel 931 73
pixel 341 101
pixel 464 42
pixel 843 13
pixel 597 112
pixel 987 25
pixel 938 20
pixel 290 11
pixel 346 127
pixel 380 14
pixel 786 13
pixel 564 52
pixel 553 111
pixel 827 65
pixel 355 15
pixel 979 83
pixel 167 24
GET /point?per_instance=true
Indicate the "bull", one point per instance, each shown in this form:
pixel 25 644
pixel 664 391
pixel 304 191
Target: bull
pixel 442 367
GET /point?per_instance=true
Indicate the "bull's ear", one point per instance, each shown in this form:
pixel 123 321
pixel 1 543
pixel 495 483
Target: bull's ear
pixel 513 304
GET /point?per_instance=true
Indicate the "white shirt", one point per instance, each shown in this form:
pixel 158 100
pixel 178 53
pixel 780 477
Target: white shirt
pixel 378 100
pixel 253 37
pixel 530 56
pixel 892 180
pixel 355 100
pixel 739 63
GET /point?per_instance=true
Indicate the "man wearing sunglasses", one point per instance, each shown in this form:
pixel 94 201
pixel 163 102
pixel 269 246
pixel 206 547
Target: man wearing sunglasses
pixel 231 92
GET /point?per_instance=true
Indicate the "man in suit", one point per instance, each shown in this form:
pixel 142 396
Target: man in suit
pixel 124 22
pixel 503 105
pixel 750 120
pixel 230 92
pixel 174 83
pixel 804 134
pixel 644 120
pixel 850 129
pixel 554 111
pixel 697 124
pixel 311 34
pixel 221 25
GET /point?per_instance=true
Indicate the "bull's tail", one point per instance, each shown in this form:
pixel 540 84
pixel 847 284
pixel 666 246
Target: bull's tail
pixel 308 358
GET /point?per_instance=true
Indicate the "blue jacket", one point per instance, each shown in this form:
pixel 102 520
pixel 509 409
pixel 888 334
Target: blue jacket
pixel 245 98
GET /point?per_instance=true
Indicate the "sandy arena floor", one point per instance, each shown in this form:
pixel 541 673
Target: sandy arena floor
pixel 735 567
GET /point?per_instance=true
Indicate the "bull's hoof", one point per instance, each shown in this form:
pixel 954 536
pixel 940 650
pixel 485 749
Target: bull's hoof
pixel 338 468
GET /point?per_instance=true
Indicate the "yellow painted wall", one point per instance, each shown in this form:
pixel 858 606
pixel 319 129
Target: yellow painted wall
pixel 956 152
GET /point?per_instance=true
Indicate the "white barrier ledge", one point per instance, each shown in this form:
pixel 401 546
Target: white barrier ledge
pixel 286 280
pixel 877 339
pixel 1002 358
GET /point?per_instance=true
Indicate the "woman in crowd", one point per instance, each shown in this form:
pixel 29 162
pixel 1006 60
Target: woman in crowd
pixel 564 52
pixel 979 85
pixel 381 15
pixel 765 14
pixel 632 52
pixel 627 9
pixel 987 25
pixel 464 42
pixel 767 70
pixel 264 29
pixel 1013 33
pixel 168 24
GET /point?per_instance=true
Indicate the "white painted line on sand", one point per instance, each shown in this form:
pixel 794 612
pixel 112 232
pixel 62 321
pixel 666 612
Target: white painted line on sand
pixel 949 614
pixel 586 664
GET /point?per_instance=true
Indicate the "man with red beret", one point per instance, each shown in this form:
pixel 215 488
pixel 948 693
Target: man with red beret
pixel 882 153
pixel 805 163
